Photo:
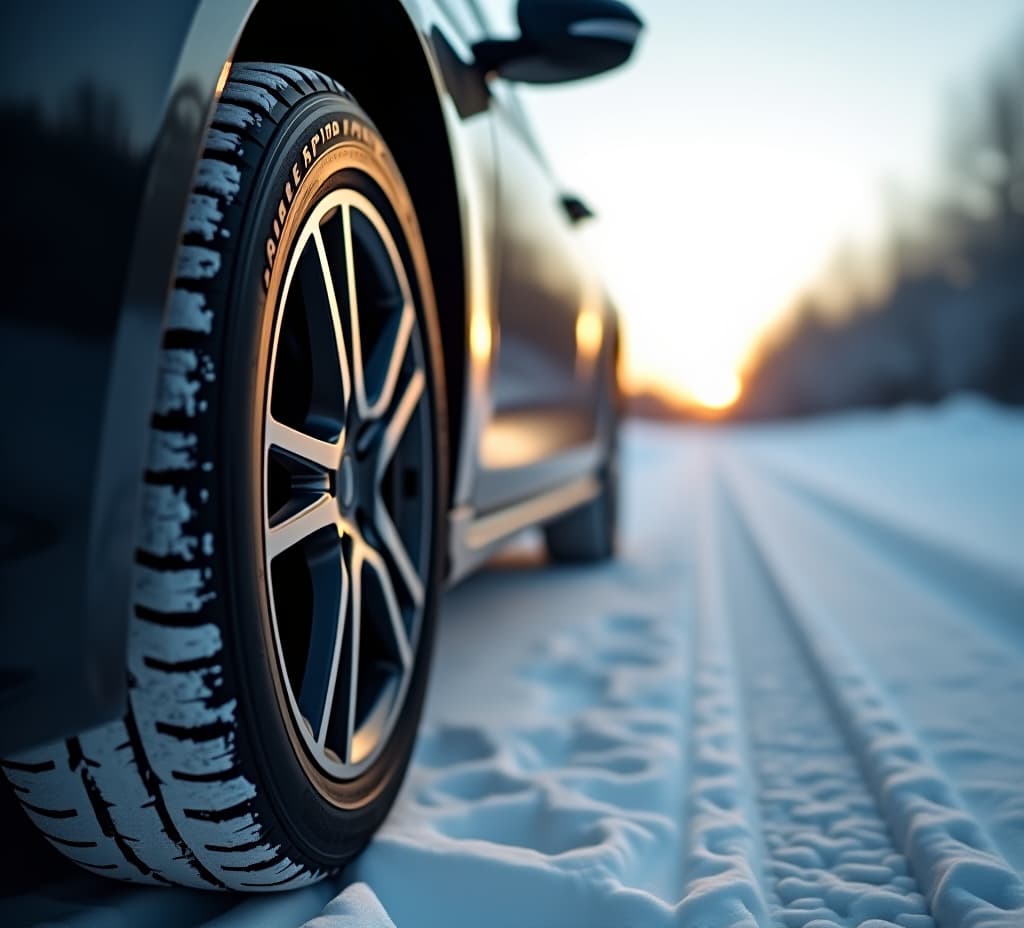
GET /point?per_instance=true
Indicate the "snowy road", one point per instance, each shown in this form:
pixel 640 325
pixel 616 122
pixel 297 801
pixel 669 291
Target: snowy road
pixel 795 700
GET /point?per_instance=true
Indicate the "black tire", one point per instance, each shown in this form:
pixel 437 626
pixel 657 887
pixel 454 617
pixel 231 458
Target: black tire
pixel 209 780
pixel 588 534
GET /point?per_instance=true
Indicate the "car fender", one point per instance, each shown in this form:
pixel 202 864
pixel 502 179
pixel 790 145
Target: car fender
pixel 119 94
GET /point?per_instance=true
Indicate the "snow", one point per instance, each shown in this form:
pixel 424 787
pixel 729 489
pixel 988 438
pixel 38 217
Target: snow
pixel 188 312
pixel 166 515
pixel 171 451
pixel 794 700
pixel 177 383
pixel 197 263
pixel 203 217
pixel 221 178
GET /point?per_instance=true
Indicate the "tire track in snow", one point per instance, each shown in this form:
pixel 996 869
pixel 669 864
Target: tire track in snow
pixel 992 590
pixel 724 864
pixel 966 880
pixel 830 856
pixel 962 696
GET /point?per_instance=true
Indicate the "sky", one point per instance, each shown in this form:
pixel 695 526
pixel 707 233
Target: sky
pixel 743 145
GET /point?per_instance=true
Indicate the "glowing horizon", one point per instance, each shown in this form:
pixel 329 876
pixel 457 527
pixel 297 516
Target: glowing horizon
pixel 731 162
pixel 718 392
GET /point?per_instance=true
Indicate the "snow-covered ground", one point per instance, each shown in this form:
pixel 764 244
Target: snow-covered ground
pixel 796 700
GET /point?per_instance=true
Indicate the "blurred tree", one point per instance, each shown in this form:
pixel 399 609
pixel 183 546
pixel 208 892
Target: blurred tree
pixel 951 316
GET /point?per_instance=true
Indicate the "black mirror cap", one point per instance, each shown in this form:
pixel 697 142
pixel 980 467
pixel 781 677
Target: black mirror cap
pixel 563 40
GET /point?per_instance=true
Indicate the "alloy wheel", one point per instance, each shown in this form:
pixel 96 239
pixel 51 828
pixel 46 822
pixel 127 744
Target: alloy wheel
pixel 347 476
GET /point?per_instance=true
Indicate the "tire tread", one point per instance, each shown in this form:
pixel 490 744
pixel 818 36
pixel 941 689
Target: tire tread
pixel 147 799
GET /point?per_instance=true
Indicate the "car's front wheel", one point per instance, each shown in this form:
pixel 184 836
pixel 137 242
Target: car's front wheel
pixel 289 548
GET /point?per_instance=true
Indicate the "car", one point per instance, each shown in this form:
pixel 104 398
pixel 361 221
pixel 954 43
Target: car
pixel 297 329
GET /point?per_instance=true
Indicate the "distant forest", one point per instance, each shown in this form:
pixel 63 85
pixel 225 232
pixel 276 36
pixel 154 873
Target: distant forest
pixel 949 316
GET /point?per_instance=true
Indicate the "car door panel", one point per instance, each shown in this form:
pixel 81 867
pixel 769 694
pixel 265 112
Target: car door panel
pixel 541 282
pixel 536 404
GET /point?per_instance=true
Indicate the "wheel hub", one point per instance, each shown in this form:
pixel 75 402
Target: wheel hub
pixel 347 483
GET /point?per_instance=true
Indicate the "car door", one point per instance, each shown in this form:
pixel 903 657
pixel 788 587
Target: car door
pixel 542 396
pixel 541 284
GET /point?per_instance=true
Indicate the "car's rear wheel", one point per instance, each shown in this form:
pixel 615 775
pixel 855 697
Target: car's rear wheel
pixel 289 549
pixel 589 533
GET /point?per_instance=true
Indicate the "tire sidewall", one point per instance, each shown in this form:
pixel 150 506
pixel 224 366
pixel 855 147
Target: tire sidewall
pixel 319 816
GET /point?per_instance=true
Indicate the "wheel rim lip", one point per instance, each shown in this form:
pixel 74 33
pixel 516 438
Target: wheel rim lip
pixel 333 767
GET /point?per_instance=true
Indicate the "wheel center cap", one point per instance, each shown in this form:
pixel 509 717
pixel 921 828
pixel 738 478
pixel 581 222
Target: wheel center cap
pixel 347 481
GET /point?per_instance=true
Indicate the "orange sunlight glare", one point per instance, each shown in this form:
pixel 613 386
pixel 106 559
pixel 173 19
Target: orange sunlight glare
pixel 715 389
pixel 748 161
pixel 701 289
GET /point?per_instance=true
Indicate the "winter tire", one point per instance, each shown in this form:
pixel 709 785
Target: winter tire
pixel 588 534
pixel 289 543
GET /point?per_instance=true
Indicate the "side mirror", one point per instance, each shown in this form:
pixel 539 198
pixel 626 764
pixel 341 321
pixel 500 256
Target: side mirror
pixel 563 40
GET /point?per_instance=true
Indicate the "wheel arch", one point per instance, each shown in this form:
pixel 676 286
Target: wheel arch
pixel 89 543
pixel 357 44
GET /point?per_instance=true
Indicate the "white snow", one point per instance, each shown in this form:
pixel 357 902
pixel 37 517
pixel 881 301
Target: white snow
pixel 188 312
pixel 794 700
pixel 253 97
pixel 171 451
pixel 177 382
pixel 171 591
pixel 219 177
pixel 219 140
pixel 237 117
pixel 166 513
pixel 197 263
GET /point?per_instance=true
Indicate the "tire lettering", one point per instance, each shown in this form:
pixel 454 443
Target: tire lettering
pixel 318 143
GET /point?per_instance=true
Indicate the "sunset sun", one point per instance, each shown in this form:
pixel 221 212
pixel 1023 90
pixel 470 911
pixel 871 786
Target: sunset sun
pixel 715 390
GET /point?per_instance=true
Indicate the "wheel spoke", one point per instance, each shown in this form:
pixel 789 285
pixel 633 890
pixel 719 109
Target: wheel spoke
pixel 344 617
pixel 376 563
pixel 356 352
pixel 353 670
pixel 300 526
pixel 385 364
pixel 330 606
pixel 385 525
pixel 310 382
pixel 335 313
pixel 400 421
pixel 396 548
pixel 324 454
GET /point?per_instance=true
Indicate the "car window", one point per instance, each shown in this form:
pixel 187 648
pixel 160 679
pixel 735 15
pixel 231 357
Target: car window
pixel 499 16
pixel 465 18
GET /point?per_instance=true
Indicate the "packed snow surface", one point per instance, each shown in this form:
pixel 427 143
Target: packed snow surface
pixel 795 700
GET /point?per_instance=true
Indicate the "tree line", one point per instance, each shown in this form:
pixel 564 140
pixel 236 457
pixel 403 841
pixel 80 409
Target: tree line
pixel 949 314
